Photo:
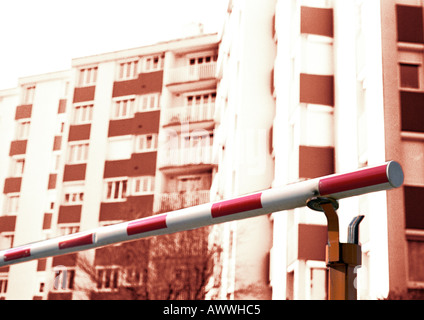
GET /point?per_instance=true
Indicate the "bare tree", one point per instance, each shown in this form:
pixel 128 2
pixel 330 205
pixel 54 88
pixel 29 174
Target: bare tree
pixel 172 267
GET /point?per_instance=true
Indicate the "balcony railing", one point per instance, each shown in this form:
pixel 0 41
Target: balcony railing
pixel 176 200
pixel 185 156
pixel 189 114
pixel 192 73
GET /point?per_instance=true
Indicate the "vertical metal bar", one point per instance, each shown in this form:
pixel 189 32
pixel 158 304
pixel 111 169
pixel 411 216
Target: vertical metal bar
pixel 337 289
pixel 342 258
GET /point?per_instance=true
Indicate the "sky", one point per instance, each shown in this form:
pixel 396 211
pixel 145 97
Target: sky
pixel 42 36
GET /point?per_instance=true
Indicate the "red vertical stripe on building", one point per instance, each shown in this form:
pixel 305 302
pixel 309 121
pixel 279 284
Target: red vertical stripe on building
pixel 147 224
pixel 246 203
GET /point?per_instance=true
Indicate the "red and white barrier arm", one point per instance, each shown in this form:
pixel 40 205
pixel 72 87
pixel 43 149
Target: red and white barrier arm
pixel 337 186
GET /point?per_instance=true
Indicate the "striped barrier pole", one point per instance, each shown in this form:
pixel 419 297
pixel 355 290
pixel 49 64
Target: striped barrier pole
pixel 336 186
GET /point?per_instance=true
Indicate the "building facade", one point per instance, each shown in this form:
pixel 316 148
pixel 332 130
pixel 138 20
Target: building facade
pixel 346 93
pixel 120 136
pixel 286 91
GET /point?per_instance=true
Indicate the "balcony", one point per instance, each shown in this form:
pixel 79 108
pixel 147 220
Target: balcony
pixel 176 200
pixel 182 78
pixel 189 114
pixel 199 155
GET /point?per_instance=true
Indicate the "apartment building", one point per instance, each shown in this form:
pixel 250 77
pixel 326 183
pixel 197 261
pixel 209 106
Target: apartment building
pixel 244 119
pixel 121 135
pixel 325 111
pixel 338 88
pixel 349 100
pixel 287 91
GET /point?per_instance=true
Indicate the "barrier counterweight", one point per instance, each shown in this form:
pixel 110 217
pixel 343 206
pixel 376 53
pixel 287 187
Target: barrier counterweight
pixel 337 186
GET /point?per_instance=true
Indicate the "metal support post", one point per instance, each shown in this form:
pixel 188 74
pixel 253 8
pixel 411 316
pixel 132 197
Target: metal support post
pixel 342 258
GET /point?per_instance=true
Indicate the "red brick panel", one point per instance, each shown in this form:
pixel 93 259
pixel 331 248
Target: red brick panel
pixel 84 94
pixel 116 168
pixel 145 83
pixel 112 211
pixel 135 207
pixel 7 223
pixel 68 260
pixel 23 111
pixel 12 185
pixel 52 181
pixel 47 221
pixel 62 106
pixel 69 214
pixel 317 89
pixel 79 132
pixel 142 164
pixel 18 147
pixel 57 144
pixel 315 162
pixel 312 241
pixel 59 295
pixel 74 172
pixel 318 21
pixel 146 122
pixel 120 127
pixel 41 264
pixel 141 123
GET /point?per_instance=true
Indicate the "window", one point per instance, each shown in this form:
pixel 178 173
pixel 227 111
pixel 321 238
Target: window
pixel 149 102
pixel 73 198
pixel 123 108
pixel 12 204
pixel 153 63
pixel 65 229
pixel 55 164
pixel 120 147
pixel 414 219
pixel 410 23
pixel 318 284
pixel 83 113
pixel 198 139
pixel 409 76
pixel 146 142
pixel 6 240
pixel 128 70
pixel 412 111
pixel 64 279
pixel 200 99
pixel 414 223
pixel 143 185
pixel 78 153
pixel 107 278
pixel 60 128
pixel 87 76
pixel 29 93
pixel 73 193
pixel 132 277
pixel 18 165
pixel 203 59
pixel 116 189
pixel 22 130
pixel 3 284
